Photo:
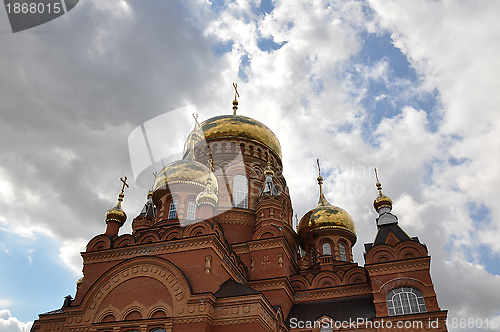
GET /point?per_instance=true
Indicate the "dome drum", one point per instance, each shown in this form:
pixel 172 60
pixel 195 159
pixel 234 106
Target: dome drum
pixel 242 128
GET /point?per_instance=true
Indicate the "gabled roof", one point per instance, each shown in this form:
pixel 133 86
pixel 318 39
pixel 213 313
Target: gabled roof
pixel 232 288
pixel 339 309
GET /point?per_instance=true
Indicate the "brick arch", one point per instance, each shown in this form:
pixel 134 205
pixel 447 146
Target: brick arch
pixel 265 233
pixel 353 275
pixel 149 236
pixel 195 229
pixel 109 311
pixel 414 248
pixel 159 307
pixel 378 253
pixel 124 240
pixel 99 242
pixel 130 312
pixel 171 233
pixel 401 282
pixel 299 283
pixel 162 273
pixel 325 277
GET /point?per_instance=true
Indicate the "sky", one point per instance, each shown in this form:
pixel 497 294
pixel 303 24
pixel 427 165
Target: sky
pixel 409 87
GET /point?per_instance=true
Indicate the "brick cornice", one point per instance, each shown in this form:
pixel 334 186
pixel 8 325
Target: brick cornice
pixel 323 294
pixel 384 268
pixel 274 284
pixel 156 248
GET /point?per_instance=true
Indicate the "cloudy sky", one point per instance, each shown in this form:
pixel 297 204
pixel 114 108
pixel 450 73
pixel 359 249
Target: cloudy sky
pixel 411 87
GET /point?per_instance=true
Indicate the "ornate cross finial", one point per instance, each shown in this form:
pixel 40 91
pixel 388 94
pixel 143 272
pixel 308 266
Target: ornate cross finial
pixel 379 185
pixel 236 94
pixel 124 184
pixel 319 167
pixel 235 86
pixel 195 116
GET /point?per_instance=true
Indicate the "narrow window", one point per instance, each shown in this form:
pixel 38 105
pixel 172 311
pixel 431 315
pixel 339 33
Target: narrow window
pixel 405 300
pixel 343 256
pixel 172 211
pixel 240 191
pixel 312 253
pixel 191 214
pixel 327 249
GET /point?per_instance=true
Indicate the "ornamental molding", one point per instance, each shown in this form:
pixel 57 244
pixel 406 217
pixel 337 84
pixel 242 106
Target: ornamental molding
pixel 158 248
pixel 283 284
pixel 157 268
pixel 398 266
pixel 326 293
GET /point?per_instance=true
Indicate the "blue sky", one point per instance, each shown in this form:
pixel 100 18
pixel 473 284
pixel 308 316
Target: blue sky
pixel 408 87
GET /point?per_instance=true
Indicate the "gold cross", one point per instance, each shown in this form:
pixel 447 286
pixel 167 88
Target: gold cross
pixel 319 168
pixel 124 184
pixel 235 85
pixel 376 175
pixel 196 119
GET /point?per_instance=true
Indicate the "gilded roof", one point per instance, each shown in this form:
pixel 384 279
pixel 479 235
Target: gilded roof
pixel 242 127
pixel 326 216
pixel 185 171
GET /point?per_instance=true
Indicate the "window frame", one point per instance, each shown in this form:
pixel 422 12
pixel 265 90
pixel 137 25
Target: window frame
pixel 191 212
pixel 326 243
pixel 240 188
pixel 342 251
pixel 399 301
pixel 173 203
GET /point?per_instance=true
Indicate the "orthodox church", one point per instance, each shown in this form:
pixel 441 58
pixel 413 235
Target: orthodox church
pixel 214 249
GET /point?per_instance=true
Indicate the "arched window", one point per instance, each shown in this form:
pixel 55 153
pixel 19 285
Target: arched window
pixel 158 329
pixel 343 256
pixel 327 249
pixel 405 300
pixel 172 211
pixel 240 191
pixel 191 214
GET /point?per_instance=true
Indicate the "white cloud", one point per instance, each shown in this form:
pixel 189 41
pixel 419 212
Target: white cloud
pixel 69 253
pixel 12 324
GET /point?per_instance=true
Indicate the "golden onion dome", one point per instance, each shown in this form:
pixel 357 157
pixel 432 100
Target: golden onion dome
pixel 116 213
pixel 207 196
pixel 239 126
pixel 381 200
pixel 326 216
pixel 184 172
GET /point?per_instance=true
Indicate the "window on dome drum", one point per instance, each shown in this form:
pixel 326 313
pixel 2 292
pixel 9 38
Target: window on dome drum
pixel 172 211
pixel 343 256
pixel 240 191
pixel 327 249
pixel 191 214
pixel 157 330
pixel 405 300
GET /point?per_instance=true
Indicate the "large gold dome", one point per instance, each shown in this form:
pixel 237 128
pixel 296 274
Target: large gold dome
pixel 241 127
pixel 185 171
